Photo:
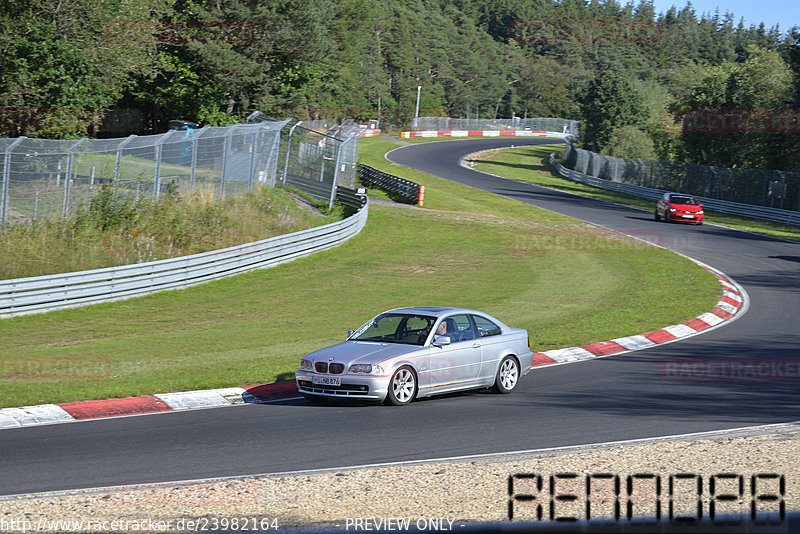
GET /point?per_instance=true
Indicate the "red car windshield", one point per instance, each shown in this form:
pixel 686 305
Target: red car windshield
pixel 686 201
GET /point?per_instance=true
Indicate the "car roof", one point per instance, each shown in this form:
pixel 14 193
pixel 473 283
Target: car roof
pixel 670 195
pixel 433 310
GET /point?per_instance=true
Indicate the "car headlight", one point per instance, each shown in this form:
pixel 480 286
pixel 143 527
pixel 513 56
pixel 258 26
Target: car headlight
pixel 672 209
pixel 306 365
pixel 366 368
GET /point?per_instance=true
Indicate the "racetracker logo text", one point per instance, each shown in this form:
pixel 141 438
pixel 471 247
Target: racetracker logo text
pixel 734 369
pixel 590 31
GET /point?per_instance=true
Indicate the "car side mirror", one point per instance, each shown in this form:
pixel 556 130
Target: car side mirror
pixel 700 205
pixel 350 333
pixel 441 340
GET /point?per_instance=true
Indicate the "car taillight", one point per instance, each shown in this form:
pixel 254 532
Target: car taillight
pixel 529 342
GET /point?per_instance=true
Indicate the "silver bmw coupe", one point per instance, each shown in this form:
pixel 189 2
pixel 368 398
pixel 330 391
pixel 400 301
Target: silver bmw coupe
pixel 407 353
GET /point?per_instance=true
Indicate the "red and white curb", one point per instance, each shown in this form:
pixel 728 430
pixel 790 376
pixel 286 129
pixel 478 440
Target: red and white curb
pixel 482 133
pixel 730 304
pixel 144 404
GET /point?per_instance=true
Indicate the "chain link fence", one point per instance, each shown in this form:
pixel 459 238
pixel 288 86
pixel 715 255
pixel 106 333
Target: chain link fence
pixel 319 156
pixel 446 123
pixel 774 189
pixel 44 178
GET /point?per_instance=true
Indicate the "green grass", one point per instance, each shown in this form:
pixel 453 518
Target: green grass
pixel 115 231
pixel 465 248
pixel 531 164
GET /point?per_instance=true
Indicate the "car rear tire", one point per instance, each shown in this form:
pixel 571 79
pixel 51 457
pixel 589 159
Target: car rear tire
pixel 402 386
pixel 507 375
pixel 655 215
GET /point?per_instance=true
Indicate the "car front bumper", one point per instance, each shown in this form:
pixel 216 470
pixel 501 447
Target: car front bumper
pixel 352 386
pixel 683 217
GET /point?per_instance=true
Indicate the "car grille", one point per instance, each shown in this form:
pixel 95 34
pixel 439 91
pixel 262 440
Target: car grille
pixel 324 368
pixel 345 390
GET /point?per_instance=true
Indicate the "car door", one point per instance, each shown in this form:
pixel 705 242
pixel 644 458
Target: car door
pixel 456 365
pixel 492 344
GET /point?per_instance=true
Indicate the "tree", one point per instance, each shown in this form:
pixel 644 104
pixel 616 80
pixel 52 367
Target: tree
pixel 543 89
pixel 630 142
pixel 63 64
pixel 609 103
pixel 754 89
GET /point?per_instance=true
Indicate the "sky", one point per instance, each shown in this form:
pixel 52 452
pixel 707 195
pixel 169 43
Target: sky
pixel 770 12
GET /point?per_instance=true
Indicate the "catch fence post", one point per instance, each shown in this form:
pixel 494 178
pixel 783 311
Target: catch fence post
pixel 7 179
pixel 226 148
pixel 68 176
pixel 338 163
pixel 195 141
pixel 157 173
pixel 118 160
pixel 288 154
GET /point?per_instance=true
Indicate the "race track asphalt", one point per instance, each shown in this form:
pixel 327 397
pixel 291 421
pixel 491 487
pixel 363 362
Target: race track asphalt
pixel 609 399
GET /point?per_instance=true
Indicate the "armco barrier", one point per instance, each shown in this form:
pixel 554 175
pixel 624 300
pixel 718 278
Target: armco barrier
pixel 45 293
pixel 397 188
pixel 714 204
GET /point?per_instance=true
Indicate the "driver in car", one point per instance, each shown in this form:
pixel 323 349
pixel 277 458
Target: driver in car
pixel 444 329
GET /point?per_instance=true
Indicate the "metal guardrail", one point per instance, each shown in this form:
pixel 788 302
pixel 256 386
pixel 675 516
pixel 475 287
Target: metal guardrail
pixel 714 204
pixel 353 199
pixel 397 188
pixel 345 196
pixel 45 293
pixel 753 187
pixel 315 188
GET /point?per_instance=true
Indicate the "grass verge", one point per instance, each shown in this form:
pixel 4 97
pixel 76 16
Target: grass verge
pixel 115 231
pixel 465 248
pixel 531 164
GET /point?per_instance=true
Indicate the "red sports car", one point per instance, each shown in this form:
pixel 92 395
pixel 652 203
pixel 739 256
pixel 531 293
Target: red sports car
pixel 679 207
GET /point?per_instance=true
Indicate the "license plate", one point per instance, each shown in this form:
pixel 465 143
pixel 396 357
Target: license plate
pixel 326 380
pixel 688 216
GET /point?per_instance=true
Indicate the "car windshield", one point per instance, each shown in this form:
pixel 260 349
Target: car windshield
pixel 410 329
pixel 690 201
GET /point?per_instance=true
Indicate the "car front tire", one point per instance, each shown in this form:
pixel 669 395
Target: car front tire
pixel 402 386
pixel 656 216
pixel 507 375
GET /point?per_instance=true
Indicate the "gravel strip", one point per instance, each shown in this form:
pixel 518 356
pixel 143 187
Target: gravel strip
pixel 433 495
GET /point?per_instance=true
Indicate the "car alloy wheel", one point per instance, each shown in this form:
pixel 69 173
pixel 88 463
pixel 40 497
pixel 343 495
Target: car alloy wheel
pixel 507 375
pixel 402 386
